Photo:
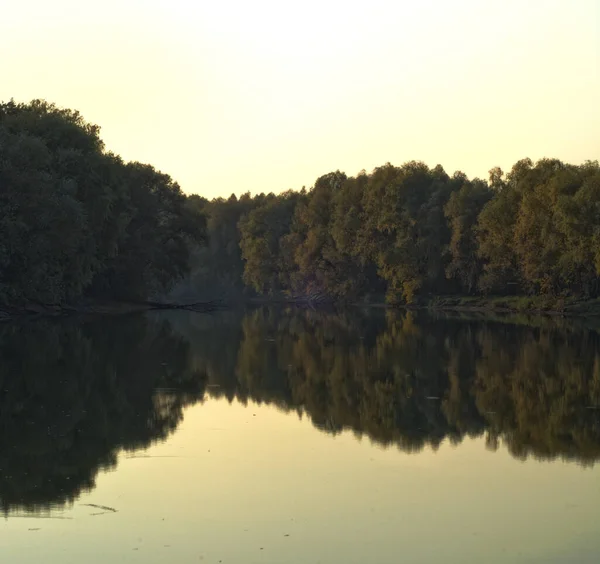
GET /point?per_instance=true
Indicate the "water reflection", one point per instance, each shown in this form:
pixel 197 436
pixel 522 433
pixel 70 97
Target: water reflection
pixel 73 394
pixel 414 382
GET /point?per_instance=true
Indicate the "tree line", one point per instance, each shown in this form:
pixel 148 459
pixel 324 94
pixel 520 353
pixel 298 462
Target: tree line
pixel 77 221
pixel 410 232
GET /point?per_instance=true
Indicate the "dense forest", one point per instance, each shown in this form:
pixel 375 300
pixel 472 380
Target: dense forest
pixel 76 221
pixel 411 232
pixel 76 392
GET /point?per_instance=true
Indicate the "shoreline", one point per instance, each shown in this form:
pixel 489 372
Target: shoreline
pixel 100 307
pixel 525 305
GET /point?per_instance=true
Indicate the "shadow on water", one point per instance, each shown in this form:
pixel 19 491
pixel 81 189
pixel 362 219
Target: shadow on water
pixel 73 394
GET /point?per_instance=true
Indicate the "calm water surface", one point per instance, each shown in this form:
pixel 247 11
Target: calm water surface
pixel 275 436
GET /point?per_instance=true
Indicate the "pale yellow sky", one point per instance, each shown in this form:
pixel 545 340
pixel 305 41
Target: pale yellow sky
pixel 267 95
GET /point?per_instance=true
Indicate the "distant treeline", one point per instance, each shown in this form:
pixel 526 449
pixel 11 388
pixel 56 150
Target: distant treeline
pixel 410 232
pixel 77 221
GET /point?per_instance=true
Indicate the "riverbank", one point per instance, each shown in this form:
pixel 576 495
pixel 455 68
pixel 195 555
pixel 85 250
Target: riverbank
pixel 543 305
pixel 49 310
pixel 529 305
pixel 97 307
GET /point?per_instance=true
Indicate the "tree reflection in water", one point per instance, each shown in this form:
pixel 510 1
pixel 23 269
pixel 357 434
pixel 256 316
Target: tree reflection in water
pixel 73 394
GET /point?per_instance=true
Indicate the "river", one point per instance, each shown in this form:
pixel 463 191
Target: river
pixel 299 436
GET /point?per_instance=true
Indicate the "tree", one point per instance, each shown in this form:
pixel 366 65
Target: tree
pixel 154 251
pixel 462 211
pixel 495 236
pixel 262 231
pixel 76 220
pixel 406 227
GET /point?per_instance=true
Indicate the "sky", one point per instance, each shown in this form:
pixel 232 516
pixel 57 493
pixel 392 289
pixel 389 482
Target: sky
pixel 265 96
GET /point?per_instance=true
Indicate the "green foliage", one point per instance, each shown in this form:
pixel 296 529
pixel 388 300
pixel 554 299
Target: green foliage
pixel 462 211
pixel 262 232
pixel 410 233
pixel 539 231
pixel 315 254
pixel 154 250
pixel 217 268
pixel 76 221
pixel 404 220
pixel 325 238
